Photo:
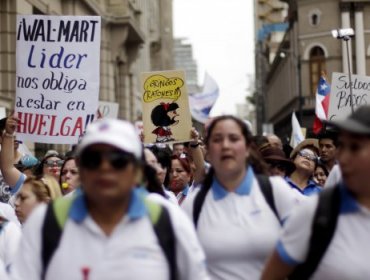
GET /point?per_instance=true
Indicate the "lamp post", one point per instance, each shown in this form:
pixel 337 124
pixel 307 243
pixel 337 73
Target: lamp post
pixel 345 35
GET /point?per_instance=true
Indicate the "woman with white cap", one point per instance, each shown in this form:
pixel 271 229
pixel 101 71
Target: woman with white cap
pixel 111 229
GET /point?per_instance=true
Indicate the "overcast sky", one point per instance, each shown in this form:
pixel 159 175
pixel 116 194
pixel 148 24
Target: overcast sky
pixel 222 35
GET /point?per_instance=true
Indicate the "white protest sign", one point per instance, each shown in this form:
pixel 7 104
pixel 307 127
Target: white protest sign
pixel 108 110
pixel 57 77
pixel 2 112
pixel 340 97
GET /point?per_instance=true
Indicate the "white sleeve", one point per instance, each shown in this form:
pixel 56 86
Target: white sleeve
pixel 285 197
pixel 27 264
pixel 9 213
pixel 3 273
pixel 188 204
pixel 12 236
pixel 294 241
pixel 190 258
pixel 335 176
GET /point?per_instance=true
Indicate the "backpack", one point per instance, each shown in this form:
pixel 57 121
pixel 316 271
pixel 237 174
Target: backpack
pixel 263 182
pixel 57 214
pixel 323 228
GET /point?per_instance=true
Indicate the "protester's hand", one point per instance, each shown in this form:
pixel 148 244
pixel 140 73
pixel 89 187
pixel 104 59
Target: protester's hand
pixel 11 124
pixel 194 135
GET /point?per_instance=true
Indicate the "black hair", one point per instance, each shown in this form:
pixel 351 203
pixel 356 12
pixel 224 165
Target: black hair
pixel 329 134
pixel 163 156
pixel 151 181
pixel 323 167
pixel 261 141
pixel 255 158
pixel 159 114
pixel 39 170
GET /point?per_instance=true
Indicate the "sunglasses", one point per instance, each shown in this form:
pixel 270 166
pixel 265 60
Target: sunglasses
pixel 92 160
pixel 308 156
pixel 51 163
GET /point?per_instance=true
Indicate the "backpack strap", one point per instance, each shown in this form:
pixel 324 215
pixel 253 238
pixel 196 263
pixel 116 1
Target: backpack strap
pixel 266 188
pixel 161 221
pixel 54 221
pixel 198 203
pixel 323 228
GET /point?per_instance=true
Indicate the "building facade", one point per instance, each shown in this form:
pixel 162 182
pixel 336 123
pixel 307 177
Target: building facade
pixel 136 36
pixel 306 50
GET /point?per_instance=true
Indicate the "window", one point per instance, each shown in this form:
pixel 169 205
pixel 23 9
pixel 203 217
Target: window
pixel 317 65
pixel 314 17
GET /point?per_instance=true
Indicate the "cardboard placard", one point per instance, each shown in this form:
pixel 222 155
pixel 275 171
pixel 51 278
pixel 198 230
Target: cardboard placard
pixel 166 114
pixel 340 97
pixel 57 76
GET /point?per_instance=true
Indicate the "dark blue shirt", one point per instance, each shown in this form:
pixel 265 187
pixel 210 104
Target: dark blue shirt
pixel 308 190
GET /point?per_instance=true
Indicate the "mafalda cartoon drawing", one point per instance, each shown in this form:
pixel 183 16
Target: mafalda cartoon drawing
pixel 163 117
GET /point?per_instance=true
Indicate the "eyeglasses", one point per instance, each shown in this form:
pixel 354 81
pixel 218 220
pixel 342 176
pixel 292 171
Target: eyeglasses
pixel 51 163
pixel 92 160
pixel 307 156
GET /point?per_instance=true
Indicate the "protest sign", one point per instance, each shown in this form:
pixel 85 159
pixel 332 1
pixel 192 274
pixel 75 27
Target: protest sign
pixel 166 114
pixel 340 97
pixel 57 76
pixel 107 110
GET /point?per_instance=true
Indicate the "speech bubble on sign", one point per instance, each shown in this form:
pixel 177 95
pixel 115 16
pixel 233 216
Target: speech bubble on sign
pixel 159 87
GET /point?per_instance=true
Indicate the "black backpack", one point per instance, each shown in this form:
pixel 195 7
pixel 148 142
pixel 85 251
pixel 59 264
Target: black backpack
pixel 263 182
pixel 57 215
pixel 323 227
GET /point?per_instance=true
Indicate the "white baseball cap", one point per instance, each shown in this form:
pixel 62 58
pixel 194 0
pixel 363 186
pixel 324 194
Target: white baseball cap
pixel 117 133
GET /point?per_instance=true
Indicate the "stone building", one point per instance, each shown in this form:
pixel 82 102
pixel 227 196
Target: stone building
pixel 306 50
pixel 136 37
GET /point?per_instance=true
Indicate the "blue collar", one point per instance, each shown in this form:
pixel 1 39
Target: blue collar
pixel 136 209
pixel 219 192
pixel 348 203
pixel 310 189
pixel 185 190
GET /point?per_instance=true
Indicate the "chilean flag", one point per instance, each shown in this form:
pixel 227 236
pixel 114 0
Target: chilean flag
pixel 322 104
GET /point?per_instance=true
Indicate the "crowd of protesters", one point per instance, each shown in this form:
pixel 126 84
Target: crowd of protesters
pixel 226 205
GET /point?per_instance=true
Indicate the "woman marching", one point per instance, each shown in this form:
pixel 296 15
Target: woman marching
pixel 238 217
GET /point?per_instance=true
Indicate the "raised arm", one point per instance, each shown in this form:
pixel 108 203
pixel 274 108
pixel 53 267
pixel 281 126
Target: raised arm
pixel 10 173
pixel 197 156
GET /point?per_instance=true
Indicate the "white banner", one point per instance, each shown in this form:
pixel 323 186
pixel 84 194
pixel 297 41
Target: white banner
pixel 340 105
pixel 57 77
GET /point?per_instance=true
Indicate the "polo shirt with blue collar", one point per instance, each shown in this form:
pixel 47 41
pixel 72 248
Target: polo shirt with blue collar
pixel 310 189
pixel 348 254
pixel 131 251
pixel 237 229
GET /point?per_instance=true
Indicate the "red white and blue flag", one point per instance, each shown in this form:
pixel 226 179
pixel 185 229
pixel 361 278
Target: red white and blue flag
pixel 322 104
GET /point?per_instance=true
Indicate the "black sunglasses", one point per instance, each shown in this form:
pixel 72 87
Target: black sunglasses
pixel 92 159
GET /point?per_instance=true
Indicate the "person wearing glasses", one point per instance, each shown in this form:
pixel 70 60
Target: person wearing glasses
pixel 50 165
pixel 304 157
pixel 108 230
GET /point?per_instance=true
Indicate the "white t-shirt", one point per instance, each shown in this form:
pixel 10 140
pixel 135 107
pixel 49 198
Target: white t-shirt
pixel 348 254
pixel 238 230
pixel 10 235
pixel 131 252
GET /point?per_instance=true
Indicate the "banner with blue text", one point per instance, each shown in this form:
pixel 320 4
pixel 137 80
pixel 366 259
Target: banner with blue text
pixel 57 76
